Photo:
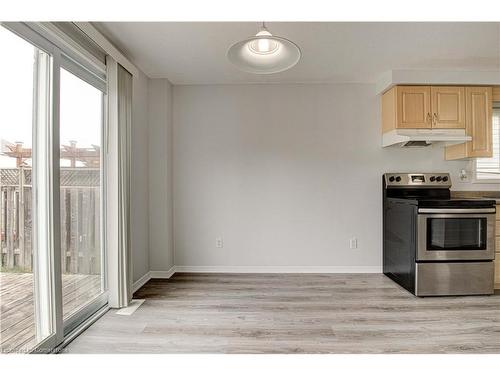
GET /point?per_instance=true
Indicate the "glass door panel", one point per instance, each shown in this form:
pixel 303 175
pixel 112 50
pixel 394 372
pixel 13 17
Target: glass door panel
pixel 81 124
pixel 456 234
pixel 26 293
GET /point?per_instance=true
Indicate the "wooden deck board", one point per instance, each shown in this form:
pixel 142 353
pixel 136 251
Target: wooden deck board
pixel 17 326
pixel 301 313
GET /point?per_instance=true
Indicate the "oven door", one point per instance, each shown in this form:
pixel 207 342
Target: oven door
pixel 455 234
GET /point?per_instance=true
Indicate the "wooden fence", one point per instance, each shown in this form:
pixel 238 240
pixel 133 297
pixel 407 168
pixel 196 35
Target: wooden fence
pixel 80 220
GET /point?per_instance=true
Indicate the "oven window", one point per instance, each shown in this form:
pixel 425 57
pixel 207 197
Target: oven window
pixel 456 234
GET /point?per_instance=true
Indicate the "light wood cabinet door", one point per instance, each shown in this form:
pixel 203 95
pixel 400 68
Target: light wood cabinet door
pixel 478 124
pixel 448 107
pixel 479 117
pixel 496 93
pixel 497 249
pixel 497 272
pixel 414 107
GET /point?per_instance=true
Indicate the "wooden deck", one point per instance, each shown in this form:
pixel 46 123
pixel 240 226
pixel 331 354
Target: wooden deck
pixel 17 323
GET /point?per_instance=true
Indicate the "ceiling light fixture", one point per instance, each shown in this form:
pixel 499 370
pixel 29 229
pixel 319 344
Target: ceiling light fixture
pixel 264 53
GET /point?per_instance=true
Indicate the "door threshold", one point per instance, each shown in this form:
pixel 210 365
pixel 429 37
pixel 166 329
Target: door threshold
pixel 80 328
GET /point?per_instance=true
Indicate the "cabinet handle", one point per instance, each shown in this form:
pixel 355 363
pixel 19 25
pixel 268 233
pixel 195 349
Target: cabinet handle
pixel 435 118
pixel 428 117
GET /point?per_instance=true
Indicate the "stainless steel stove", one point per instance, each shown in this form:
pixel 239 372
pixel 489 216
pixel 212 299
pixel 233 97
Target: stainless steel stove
pixel 435 245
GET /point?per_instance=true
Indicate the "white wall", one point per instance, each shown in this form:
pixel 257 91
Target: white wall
pixel 139 178
pixel 161 254
pixel 286 174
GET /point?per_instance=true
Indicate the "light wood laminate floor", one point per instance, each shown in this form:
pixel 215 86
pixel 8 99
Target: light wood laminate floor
pixel 294 313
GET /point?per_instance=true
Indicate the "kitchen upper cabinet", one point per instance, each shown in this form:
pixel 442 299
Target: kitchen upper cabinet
pixel 448 107
pixel 406 107
pixel 413 107
pixel 496 93
pixel 423 107
pixel 478 124
pixel 444 107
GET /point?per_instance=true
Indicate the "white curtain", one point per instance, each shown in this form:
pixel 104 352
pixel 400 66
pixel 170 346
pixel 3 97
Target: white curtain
pixel 118 184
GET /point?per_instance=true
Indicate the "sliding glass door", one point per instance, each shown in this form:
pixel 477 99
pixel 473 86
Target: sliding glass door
pixel 27 270
pixel 52 275
pixel 81 126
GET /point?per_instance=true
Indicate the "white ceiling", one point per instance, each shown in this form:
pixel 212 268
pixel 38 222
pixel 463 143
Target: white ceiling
pixel 195 52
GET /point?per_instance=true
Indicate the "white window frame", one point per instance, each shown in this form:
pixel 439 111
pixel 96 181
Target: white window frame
pixel 475 180
pixel 47 268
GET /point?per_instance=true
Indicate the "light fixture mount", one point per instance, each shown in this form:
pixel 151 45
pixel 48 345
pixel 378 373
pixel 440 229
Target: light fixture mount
pixel 264 53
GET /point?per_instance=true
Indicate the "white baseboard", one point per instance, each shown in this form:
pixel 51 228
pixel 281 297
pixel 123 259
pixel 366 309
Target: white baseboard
pixel 163 274
pixel 280 269
pixel 152 275
pixel 139 283
pixel 252 269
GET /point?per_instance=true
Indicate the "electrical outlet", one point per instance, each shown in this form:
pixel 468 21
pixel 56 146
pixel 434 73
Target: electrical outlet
pixel 463 175
pixel 219 242
pixel 353 243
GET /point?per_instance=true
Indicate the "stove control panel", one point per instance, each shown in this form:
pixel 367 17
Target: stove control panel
pixel 428 180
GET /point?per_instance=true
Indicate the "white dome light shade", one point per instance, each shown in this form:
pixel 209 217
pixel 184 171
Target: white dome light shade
pixel 264 54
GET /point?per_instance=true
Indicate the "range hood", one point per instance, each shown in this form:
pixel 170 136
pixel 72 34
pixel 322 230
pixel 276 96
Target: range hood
pixel 424 137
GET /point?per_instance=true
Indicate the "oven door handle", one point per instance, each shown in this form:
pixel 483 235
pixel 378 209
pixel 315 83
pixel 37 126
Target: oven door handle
pixel 456 210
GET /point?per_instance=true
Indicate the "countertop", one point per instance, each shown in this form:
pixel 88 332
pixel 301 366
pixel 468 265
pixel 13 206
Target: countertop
pixel 495 195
